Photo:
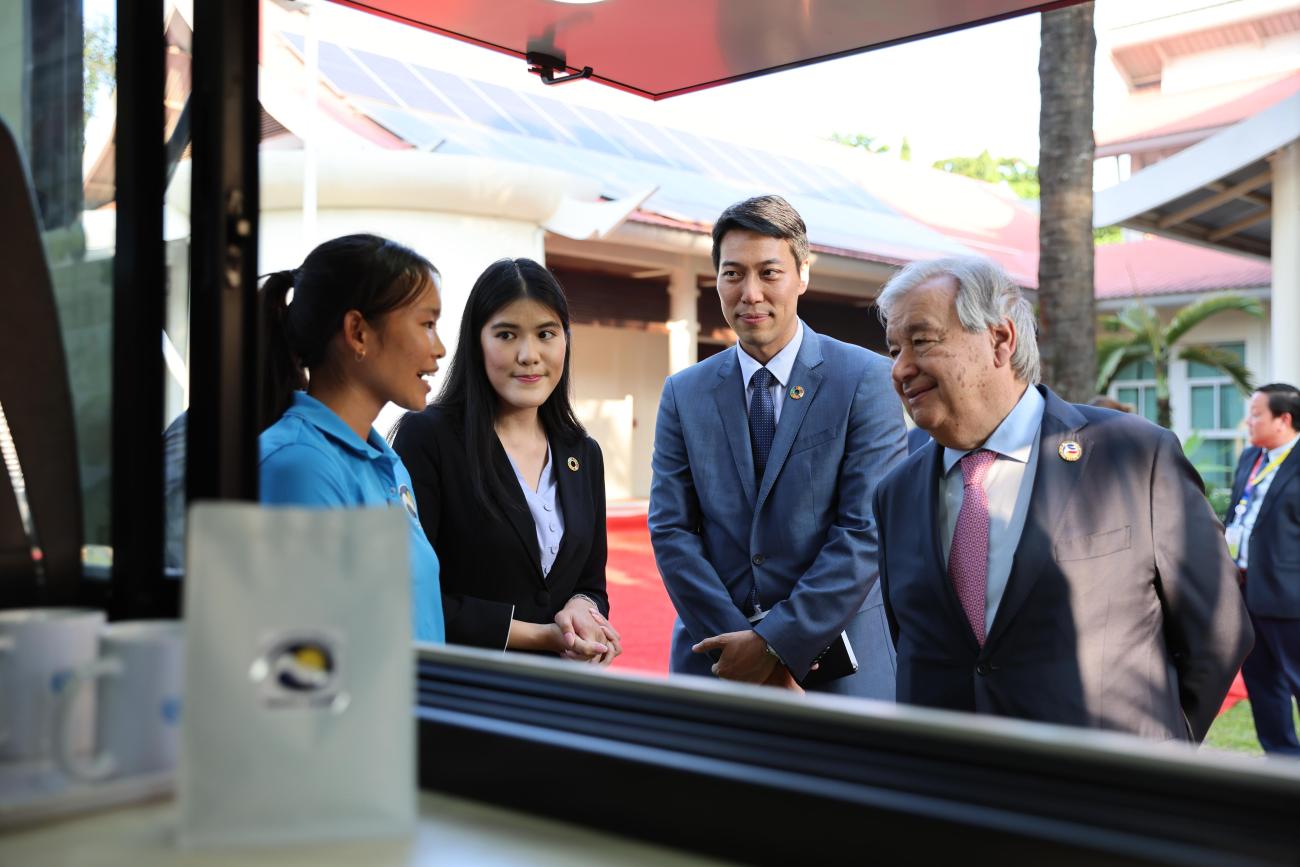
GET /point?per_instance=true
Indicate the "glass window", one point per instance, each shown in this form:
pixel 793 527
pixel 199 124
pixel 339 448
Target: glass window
pixel 1203 406
pixel 57 74
pixel 1196 370
pixel 177 87
pixel 1137 370
pixel 1213 459
pixel 1232 407
pixel 1216 403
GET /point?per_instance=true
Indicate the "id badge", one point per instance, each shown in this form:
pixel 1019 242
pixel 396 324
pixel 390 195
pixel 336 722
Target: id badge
pixel 1233 536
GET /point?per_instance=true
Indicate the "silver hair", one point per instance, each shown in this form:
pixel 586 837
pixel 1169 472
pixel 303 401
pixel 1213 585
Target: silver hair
pixel 985 296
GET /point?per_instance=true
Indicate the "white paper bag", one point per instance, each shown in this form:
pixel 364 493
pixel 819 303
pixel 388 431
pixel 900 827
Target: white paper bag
pixel 297 721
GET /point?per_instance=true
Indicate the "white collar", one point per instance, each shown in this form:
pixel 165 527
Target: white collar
pixel 781 365
pixel 1014 437
pixel 1273 453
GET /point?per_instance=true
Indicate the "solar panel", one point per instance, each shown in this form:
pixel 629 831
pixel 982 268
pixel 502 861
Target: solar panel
pixel 405 125
pixel 348 76
pixel 404 83
pixel 520 111
pixel 609 126
pixel 659 141
pixel 693 151
pixel 464 97
pixel 706 153
pixel 575 126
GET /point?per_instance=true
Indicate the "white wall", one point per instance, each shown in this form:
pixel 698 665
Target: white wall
pixel 618 374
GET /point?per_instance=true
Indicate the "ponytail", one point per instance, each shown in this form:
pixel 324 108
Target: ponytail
pixel 366 273
pixel 283 371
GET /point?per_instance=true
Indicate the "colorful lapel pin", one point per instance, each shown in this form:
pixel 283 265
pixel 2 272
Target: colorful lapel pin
pixel 1070 451
pixel 796 392
pixel 573 464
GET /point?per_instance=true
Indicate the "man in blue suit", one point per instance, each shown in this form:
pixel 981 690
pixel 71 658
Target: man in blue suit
pixel 1263 529
pixel 765 460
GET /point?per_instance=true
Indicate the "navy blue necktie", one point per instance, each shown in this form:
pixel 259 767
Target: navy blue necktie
pixel 762 420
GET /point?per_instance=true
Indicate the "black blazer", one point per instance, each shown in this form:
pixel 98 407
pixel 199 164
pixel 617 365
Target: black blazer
pixel 490 569
pixel 1273 565
pixel 1121 611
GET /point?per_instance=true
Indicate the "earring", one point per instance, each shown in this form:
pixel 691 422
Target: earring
pixel 361 355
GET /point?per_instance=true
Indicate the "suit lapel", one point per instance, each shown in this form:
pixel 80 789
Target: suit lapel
pixel 1243 473
pixel 793 412
pixel 571 484
pixel 1282 475
pixel 729 395
pixel 792 419
pixel 1055 482
pixel 515 507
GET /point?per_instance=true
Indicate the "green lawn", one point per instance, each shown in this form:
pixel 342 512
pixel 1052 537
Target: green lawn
pixel 1234 731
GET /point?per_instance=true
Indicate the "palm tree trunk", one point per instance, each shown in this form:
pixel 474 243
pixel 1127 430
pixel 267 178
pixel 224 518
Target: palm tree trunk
pixel 1065 259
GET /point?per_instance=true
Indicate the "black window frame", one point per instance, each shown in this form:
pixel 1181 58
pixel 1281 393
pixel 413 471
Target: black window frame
pixel 708 767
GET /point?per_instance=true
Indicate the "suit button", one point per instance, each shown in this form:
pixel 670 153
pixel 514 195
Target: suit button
pixel 543 598
pixel 757 560
pixel 982 668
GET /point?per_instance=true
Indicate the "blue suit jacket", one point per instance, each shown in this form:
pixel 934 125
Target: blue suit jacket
pixel 804 535
pixel 1273 570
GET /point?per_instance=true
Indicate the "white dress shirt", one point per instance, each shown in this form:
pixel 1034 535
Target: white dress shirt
pixel 1257 498
pixel 781 367
pixel 544 506
pixel 1008 484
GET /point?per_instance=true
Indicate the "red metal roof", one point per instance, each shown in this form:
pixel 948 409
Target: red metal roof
pixel 1160 266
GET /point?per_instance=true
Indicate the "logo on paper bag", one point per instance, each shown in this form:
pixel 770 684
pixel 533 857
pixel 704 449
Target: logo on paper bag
pixel 300 668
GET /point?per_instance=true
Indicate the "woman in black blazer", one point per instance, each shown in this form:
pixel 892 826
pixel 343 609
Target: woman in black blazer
pixel 509 487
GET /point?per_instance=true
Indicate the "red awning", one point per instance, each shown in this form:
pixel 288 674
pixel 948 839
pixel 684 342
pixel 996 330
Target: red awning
pixel 662 48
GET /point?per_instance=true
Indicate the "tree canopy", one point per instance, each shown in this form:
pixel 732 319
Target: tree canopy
pixel 1018 174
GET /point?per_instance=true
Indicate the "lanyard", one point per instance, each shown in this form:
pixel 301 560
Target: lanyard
pixel 1257 475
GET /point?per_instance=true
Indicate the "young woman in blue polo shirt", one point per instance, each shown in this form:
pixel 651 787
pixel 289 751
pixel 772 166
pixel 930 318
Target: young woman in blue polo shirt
pixel 357 332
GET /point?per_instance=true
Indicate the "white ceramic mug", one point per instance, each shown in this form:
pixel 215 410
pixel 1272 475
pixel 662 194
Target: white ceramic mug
pixel 39 647
pixel 139 701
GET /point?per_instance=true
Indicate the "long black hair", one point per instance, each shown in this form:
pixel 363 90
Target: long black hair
pixel 366 273
pixel 469 394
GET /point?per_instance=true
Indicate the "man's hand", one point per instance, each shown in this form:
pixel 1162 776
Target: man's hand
pixel 781 677
pixel 587 636
pixel 744 656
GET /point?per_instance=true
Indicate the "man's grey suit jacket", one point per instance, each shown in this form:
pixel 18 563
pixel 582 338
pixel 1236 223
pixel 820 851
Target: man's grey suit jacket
pixel 804 536
pixel 1121 611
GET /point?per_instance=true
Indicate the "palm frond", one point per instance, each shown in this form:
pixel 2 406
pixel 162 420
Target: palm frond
pixel 1137 318
pixel 1220 359
pixel 1197 312
pixel 1111 360
pixel 1110 324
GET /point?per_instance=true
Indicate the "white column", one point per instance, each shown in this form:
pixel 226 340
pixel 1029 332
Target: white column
pixel 1286 265
pixel 310 132
pixel 683 319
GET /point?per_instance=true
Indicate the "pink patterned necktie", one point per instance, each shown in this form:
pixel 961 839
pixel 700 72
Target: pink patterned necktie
pixel 968 557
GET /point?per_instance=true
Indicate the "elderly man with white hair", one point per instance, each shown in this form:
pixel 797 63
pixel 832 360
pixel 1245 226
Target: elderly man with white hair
pixel 1040 559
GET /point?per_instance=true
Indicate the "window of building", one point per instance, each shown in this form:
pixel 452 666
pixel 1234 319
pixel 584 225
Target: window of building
pixel 1135 384
pixel 1217 408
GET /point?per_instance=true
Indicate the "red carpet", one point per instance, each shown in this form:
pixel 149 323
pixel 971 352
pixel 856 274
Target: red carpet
pixel 642 612
pixel 1235 694
pixel 639 605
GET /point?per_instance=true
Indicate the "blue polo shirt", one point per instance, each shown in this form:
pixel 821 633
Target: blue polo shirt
pixel 310 457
